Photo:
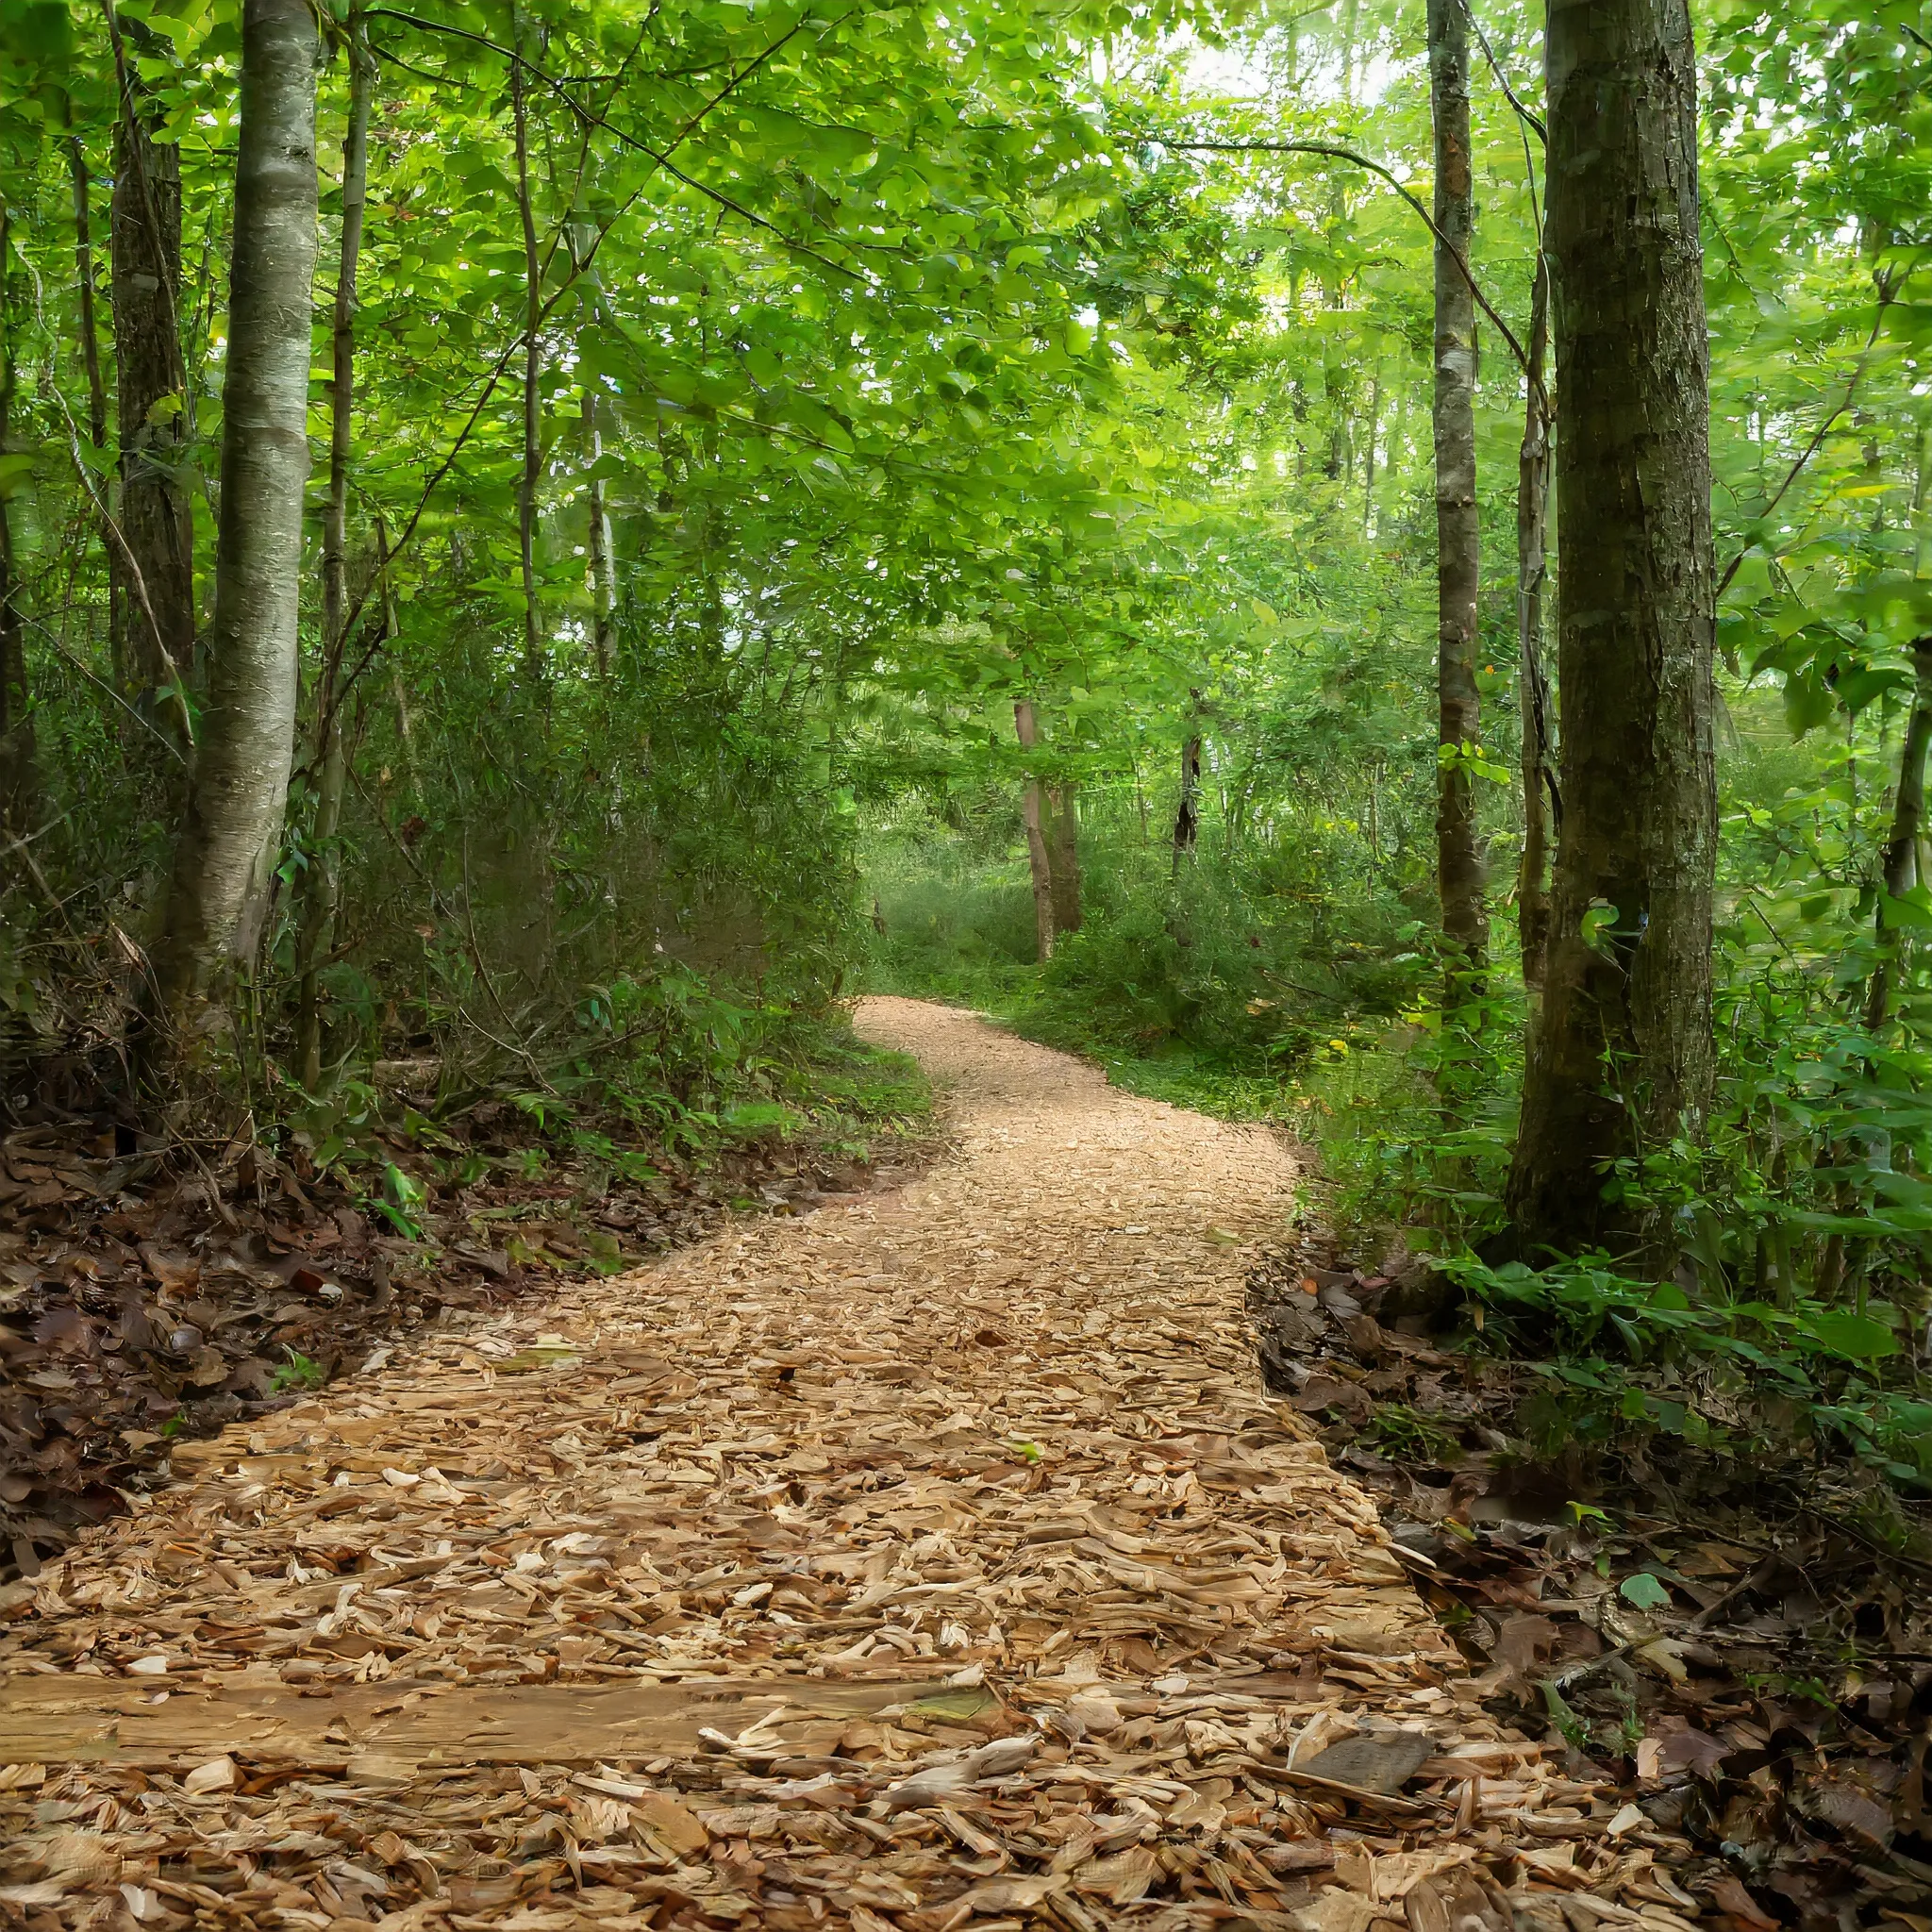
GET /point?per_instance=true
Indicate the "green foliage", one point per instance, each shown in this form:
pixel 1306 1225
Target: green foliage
pixel 298 1371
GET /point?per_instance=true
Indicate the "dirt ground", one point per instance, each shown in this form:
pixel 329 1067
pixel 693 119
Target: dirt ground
pixel 936 1561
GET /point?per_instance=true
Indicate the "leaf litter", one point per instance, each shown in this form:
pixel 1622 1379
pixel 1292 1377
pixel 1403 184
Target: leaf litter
pixel 938 1562
pixel 140 1302
pixel 1730 1646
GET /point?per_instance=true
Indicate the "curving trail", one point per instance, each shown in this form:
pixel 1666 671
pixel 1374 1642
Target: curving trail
pixel 934 1561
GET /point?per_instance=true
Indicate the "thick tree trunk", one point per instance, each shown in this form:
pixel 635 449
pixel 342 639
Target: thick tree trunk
pixel 152 567
pixel 1458 536
pixel 1532 515
pixel 1063 856
pixel 321 886
pixel 1027 729
pixel 1619 1058
pixel 227 843
pixel 1900 863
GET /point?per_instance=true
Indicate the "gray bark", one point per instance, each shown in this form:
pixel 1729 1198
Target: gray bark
pixel 1532 513
pixel 1619 1058
pixel 227 842
pixel 1458 536
pixel 602 573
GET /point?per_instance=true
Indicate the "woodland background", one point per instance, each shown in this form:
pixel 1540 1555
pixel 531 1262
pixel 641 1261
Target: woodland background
pixel 937 499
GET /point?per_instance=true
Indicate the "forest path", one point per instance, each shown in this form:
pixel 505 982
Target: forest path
pixel 936 1558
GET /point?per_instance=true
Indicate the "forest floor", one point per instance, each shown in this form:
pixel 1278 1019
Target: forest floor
pixel 934 1561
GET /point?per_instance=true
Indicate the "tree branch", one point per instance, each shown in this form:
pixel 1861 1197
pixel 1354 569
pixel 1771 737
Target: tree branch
pixel 1335 152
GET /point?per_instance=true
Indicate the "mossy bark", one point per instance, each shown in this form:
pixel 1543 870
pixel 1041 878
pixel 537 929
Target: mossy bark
pixel 1619 1058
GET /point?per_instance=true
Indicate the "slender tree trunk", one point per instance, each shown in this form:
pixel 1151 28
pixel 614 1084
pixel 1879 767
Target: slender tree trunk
pixel 533 370
pixel 1619 1058
pixel 322 883
pixel 1900 863
pixel 1027 729
pixel 226 849
pixel 84 281
pixel 1532 513
pixel 152 568
pixel 18 781
pixel 406 724
pixel 1187 818
pixel 90 363
pixel 603 572
pixel 1459 536
pixel 1369 456
pixel 1063 856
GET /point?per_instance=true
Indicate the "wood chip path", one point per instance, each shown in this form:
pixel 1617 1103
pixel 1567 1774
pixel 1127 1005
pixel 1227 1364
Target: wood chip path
pixel 933 1563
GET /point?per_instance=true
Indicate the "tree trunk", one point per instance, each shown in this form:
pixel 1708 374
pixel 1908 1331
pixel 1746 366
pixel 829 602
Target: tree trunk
pixel 83 282
pixel 1063 856
pixel 1187 818
pixel 533 370
pixel 18 784
pixel 227 842
pixel 1532 513
pixel 1458 536
pixel 1024 725
pixel 322 883
pixel 1369 457
pixel 1900 864
pixel 603 574
pixel 152 567
pixel 1619 1058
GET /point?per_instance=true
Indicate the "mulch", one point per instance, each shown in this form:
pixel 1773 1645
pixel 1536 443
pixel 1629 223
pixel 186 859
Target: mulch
pixel 147 1298
pixel 934 1561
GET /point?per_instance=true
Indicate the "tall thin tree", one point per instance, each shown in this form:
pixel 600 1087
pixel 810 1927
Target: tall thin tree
pixel 322 883
pixel 1619 1058
pixel 226 849
pixel 1459 535
pixel 152 561
pixel 1032 792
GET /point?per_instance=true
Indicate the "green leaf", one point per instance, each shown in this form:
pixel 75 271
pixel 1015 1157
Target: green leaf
pixel 1644 1592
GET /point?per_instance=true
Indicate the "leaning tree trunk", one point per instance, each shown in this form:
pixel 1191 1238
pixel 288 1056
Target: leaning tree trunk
pixel 227 845
pixel 1532 523
pixel 1900 862
pixel 1619 1058
pixel 1458 536
pixel 322 883
pixel 1029 730
pixel 152 564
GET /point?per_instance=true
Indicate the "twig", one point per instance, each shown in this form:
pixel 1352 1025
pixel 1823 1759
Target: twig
pixel 1888 293
pixel 1503 79
pixel 1336 152
pixel 623 139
